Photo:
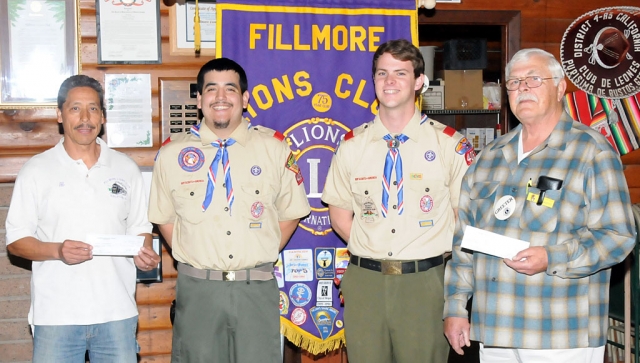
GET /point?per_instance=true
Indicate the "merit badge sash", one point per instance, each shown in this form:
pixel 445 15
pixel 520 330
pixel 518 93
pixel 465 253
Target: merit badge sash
pixel 308 64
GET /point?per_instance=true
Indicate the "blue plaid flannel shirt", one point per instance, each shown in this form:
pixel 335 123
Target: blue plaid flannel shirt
pixel 588 229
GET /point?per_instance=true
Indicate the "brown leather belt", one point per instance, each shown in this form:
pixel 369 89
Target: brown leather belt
pixel 391 267
pixel 259 273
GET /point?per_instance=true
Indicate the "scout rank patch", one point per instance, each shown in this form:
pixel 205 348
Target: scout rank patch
pixel 191 159
pixel 257 209
pixel 293 166
pixel 426 203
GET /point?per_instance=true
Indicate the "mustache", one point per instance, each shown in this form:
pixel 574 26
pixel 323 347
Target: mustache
pixel 84 126
pixel 220 103
pixel 526 97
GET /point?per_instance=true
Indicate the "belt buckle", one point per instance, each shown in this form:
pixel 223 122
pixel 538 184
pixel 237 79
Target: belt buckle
pixel 228 276
pixel 391 267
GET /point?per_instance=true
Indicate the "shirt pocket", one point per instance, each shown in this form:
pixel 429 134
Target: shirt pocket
pixel 188 202
pixel 426 198
pixel 483 196
pixel 257 201
pixel 368 201
pixel 541 218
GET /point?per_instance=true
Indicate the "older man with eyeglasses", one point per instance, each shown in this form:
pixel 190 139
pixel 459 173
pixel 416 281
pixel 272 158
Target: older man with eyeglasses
pixel 558 185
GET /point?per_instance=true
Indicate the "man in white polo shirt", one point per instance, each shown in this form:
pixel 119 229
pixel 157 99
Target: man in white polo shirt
pixel 80 302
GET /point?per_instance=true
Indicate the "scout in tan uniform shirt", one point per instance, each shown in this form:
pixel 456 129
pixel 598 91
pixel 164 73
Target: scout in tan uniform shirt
pixel 392 190
pixel 227 198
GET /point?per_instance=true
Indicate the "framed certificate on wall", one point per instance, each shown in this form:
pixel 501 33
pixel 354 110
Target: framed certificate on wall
pixel 39 49
pixel 181 22
pixel 128 31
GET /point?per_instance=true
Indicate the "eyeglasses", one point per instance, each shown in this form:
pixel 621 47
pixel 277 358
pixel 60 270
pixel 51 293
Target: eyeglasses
pixel 530 81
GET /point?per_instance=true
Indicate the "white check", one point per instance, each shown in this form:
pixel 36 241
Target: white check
pixel 494 244
pixel 115 245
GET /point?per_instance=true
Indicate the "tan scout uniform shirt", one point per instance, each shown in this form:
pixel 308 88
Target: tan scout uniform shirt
pixel 267 190
pixel 433 161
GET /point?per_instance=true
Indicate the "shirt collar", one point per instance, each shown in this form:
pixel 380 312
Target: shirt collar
pixel 556 140
pixel 240 134
pixel 103 159
pixel 412 130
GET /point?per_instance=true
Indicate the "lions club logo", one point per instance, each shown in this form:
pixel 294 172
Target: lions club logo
pixel 313 142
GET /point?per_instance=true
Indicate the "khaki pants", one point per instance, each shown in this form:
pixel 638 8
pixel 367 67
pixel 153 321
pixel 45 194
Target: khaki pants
pixel 394 318
pixel 226 322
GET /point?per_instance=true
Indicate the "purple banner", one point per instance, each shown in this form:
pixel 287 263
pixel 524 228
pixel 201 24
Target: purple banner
pixel 309 69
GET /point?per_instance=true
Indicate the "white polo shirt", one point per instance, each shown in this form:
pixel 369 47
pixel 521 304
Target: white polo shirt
pixel 56 198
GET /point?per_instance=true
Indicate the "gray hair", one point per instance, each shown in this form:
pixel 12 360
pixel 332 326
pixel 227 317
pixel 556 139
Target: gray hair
pixel 525 54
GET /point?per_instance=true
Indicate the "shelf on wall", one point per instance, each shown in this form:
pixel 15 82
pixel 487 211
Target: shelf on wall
pixel 458 112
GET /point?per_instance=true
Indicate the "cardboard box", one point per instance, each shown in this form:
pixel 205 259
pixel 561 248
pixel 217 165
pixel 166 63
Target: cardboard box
pixel 433 98
pixel 463 89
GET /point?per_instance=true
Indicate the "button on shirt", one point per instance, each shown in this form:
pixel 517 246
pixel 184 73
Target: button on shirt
pixel 588 228
pixel 220 238
pixel 432 172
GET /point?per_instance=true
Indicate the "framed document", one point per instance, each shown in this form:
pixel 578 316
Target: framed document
pixel 181 35
pixel 38 50
pixel 128 31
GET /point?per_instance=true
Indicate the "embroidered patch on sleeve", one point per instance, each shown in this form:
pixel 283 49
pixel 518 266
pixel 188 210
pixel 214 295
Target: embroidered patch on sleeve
pixel 291 163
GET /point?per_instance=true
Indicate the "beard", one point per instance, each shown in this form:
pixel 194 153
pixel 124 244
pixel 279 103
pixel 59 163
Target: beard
pixel 221 124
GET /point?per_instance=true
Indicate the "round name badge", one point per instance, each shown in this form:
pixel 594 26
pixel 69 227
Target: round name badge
pixel 504 207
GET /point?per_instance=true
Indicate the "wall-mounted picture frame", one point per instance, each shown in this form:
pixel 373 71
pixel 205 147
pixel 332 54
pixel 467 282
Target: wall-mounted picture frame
pixel 128 31
pixel 39 49
pixel 181 35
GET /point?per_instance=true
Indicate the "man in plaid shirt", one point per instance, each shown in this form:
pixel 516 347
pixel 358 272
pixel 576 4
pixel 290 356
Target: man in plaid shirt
pixel 559 185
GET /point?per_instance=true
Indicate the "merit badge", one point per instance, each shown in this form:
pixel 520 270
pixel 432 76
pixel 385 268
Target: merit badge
pixel 324 317
pixel 426 203
pixel 504 207
pixel 430 155
pixel 324 293
pixel 190 159
pixel 342 260
pixel 324 262
pixel 369 210
pixel 298 316
pixel 463 146
pixel 284 303
pixel 257 209
pixel 256 170
pixel 300 294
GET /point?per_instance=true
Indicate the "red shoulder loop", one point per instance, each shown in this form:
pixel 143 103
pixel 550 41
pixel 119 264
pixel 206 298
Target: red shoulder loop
pixel 449 131
pixel 278 135
pixel 166 141
pixel 348 135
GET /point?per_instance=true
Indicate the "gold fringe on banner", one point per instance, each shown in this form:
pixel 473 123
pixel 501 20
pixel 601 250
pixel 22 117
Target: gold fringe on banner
pixel 309 342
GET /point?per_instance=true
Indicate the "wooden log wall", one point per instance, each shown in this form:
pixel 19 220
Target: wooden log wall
pixel 24 133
